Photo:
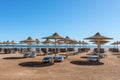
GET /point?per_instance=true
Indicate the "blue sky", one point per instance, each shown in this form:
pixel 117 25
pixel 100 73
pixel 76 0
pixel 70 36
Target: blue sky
pixel 77 19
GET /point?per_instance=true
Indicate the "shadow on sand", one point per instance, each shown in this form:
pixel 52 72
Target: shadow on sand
pixel 91 54
pixel 13 58
pixel 115 53
pixel 62 54
pixel 84 57
pixel 118 56
pixel 35 64
pixel 87 63
pixel 1 53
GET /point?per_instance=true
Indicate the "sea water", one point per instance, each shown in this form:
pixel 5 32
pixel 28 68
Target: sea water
pixel 53 46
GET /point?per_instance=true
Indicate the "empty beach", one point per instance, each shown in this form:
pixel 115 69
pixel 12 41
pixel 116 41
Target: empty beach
pixel 75 67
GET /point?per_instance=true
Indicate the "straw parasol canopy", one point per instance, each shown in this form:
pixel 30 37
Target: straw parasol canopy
pixel 73 42
pixel 59 42
pixel 79 42
pixel 55 36
pixel 6 43
pixel 13 43
pixel 98 37
pixel 1 44
pixel 101 42
pixel 116 43
pixel 84 43
pixel 47 42
pixel 37 41
pixel 67 41
pixel 28 41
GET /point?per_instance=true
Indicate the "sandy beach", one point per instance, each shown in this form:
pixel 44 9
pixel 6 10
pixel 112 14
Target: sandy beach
pixel 84 33
pixel 14 67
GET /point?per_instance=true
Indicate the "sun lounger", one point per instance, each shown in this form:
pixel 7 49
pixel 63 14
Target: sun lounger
pixel 102 55
pixel 93 58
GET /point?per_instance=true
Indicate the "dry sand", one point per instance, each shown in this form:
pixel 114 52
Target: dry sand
pixel 14 67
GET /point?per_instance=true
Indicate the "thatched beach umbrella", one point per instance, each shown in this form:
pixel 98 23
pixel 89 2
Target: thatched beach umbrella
pixel 73 42
pixel 79 42
pixel 113 44
pixel 59 42
pixel 6 43
pixel 67 41
pixel 116 43
pixel 1 43
pixel 37 42
pixel 1 46
pixel 84 43
pixel 28 41
pixel 13 43
pixel 55 36
pixel 98 37
pixel 101 42
pixel 47 42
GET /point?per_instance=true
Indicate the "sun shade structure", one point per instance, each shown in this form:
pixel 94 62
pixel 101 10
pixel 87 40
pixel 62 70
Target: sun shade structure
pixel 67 41
pixel 73 42
pixel 55 37
pixel 84 43
pixel 47 42
pixel 79 42
pixel 1 43
pixel 28 41
pixel 116 43
pixel 37 41
pixel 9 43
pixel 59 42
pixel 6 43
pixel 101 42
pixel 98 37
pixel 13 43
